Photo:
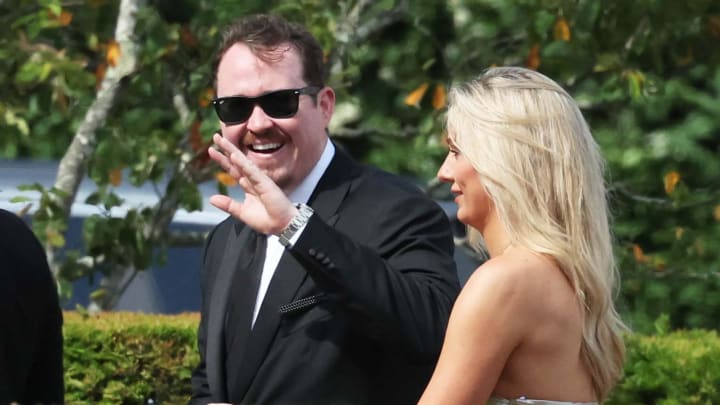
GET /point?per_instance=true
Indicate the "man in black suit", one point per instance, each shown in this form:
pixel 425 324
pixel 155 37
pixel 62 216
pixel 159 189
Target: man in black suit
pixel 31 368
pixel 331 282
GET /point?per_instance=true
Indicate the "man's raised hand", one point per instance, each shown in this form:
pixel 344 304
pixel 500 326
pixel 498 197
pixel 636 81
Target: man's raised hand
pixel 265 208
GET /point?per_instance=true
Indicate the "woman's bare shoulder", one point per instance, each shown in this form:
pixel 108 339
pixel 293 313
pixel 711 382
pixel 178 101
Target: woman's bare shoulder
pixel 518 279
pixel 517 268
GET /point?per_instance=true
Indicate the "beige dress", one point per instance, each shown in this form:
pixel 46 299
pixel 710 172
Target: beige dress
pixel 527 401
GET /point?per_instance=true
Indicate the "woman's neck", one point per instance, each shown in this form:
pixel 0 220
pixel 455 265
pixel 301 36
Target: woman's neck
pixel 497 241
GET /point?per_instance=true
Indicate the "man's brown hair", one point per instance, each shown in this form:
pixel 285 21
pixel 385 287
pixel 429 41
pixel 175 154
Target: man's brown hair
pixel 265 34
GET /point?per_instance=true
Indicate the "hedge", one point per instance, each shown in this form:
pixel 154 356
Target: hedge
pixel 130 358
pixel 681 367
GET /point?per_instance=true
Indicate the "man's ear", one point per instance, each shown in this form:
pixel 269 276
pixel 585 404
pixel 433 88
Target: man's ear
pixel 326 103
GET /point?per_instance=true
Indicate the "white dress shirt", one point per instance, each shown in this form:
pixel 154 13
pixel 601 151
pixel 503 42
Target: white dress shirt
pixel 274 249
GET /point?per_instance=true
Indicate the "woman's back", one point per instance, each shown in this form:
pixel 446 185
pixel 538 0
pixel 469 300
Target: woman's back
pixel 547 362
pixel 515 331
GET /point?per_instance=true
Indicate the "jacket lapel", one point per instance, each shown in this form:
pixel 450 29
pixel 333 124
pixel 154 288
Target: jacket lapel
pixel 215 344
pixel 334 186
pixel 289 275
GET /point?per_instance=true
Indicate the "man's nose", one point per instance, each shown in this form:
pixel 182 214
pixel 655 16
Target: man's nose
pixel 258 120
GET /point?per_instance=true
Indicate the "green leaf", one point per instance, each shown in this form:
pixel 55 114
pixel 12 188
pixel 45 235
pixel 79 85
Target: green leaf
pixel 98 294
pixel 94 198
pixel 662 325
pixel 55 8
pixel 55 238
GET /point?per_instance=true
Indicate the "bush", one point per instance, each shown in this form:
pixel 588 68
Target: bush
pixel 681 367
pixel 128 358
pixel 124 358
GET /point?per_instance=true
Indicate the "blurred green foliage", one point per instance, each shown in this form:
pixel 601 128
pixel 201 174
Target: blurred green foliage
pixel 673 368
pixel 646 74
pixel 123 358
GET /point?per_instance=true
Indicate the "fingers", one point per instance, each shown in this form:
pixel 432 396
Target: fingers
pixel 221 156
pixel 227 147
pixel 234 159
pixel 227 204
pixel 223 161
pixel 223 143
pixel 222 202
pixel 221 153
pixel 245 184
pixel 251 172
pixel 224 156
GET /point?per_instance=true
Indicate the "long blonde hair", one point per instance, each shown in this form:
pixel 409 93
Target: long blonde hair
pixel 528 140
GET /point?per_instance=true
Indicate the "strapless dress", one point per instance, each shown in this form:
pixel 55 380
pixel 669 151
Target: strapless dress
pixel 527 401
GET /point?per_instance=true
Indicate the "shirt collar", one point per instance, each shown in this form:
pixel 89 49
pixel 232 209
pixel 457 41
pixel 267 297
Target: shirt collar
pixel 303 192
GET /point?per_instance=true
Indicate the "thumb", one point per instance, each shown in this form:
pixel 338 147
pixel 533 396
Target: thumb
pixel 222 202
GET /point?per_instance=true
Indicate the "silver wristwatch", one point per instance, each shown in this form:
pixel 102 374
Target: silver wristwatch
pixel 298 221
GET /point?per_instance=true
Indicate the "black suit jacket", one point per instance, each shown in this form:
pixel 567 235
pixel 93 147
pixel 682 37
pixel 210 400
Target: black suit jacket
pixel 357 309
pixel 31 369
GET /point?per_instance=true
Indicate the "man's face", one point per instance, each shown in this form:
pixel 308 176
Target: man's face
pixel 286 149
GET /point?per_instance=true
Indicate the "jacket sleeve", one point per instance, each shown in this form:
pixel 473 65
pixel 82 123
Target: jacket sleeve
pixel 391 263
pixel 200 387
pixel 201 393
pixel 31 341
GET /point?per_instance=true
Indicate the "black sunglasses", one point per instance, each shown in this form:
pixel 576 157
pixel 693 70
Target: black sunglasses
pixel 276 104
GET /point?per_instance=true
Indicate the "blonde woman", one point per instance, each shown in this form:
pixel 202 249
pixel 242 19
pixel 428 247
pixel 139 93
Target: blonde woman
pixel 535 324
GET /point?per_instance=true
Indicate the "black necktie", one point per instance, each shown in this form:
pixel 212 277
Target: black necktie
pixel 241 303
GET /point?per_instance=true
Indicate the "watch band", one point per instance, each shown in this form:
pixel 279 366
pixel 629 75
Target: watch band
pixel 298 221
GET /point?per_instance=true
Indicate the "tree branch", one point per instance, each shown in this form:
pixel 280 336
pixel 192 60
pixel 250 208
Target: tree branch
pixel 622 189
pixel 350 32
pixel 710 199
pixel 186 238
pixel 345 132
pixel 73 165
